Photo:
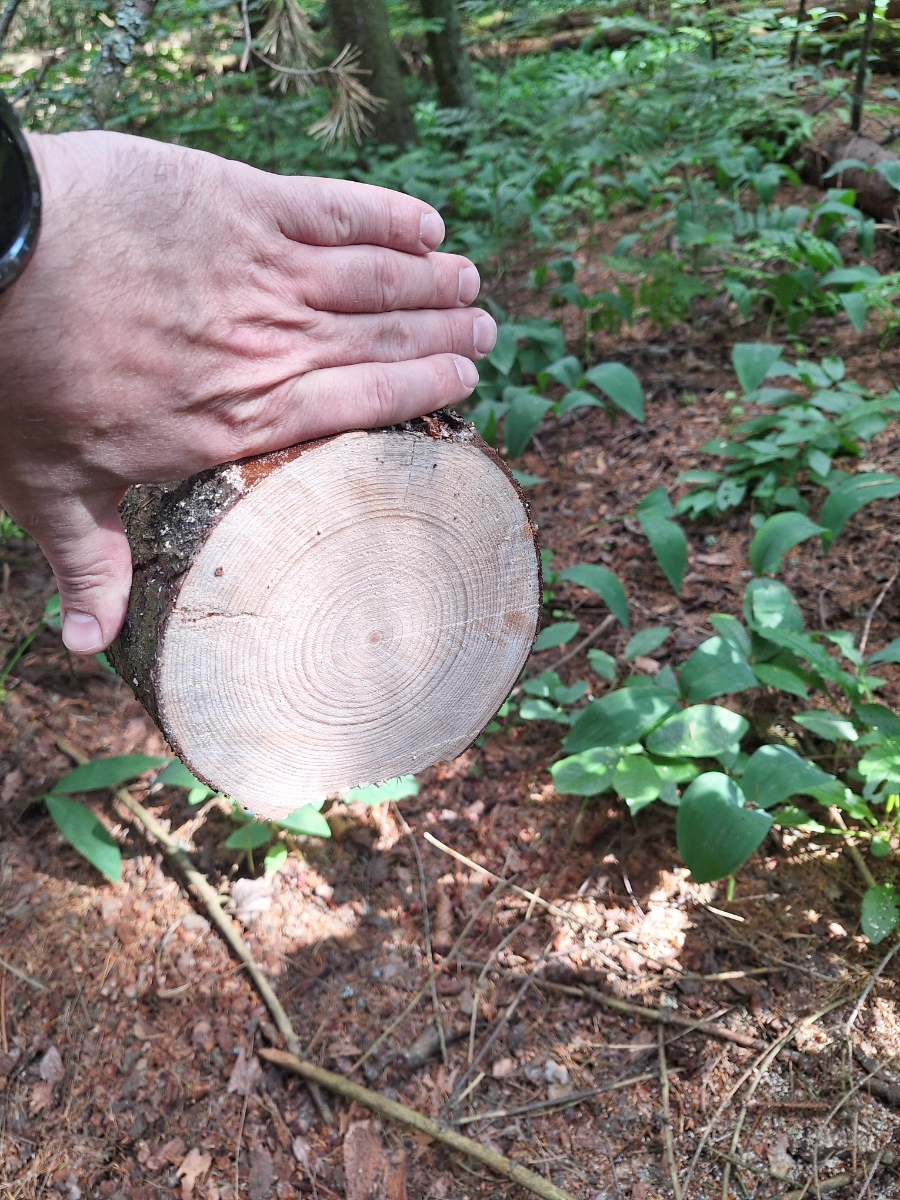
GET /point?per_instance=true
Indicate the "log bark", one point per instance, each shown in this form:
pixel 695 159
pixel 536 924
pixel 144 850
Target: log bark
pixel 332 615
pixel 874 195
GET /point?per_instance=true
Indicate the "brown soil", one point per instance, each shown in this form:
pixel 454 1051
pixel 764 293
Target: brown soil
pixel 127 1055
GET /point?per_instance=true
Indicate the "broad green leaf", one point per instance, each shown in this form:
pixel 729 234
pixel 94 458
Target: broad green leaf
pixel 732 631
pixel 769 605
pixel 377 793
pixel 791 817
pixel 618 719
pixel 176 774
pixel 666 538
pixel 846 276
pixel 716 834
pixel 752 362
pixel 878 717
pixel 890 653
pixel 506 348
pixel 525 414
pixel 566 371
pixel 570 695
pixel 880 913
pixel 620 385
pixel 541 710
pixel 90 837
pixel 585 774
pixel 715 668
pixel 850 496
pixel 542 685
pixel 881 763
pixel 827 725
pixel 891 172
pixel 276 857
pixel 635 780
pixel 856 307
pixel 775 772
pixel 777 535
pixel 602 583
pixel 604 664
pixel 251 836
pixel 524 480
pixel 556 635
pixel 697 732
pixel 577 399
pixel 105 773
pixel 771 675
pixel 307 820
pixel 729 494
pixel 646 641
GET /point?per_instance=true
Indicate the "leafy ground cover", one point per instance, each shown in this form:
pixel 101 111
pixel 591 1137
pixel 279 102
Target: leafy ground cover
pixel 698 770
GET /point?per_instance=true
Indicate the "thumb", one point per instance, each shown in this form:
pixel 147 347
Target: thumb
pixel 85 544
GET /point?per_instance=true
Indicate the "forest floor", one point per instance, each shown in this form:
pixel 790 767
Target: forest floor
pixel 129 1037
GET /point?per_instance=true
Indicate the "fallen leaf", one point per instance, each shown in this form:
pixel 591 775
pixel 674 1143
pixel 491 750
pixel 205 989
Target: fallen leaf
pixel 369 1173
pixel 648 665
pixel 245 1074
pixel 8 1061
pixel 250 898
pixel 194 1167
pixel 145 1032
pixel 173 1152
pixel 714 560
pixel 51 1068
pixel 262 1173
pixel 779 1159
pixel 300 1148
pixel 502 1067
pixel 40 1096
pixel 555 1072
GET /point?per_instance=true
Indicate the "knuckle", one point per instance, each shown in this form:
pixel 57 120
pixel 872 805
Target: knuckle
pixel 401 340
pixel 388 284
pixel 383 398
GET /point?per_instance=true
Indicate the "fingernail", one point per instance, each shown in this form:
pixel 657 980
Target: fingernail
pixel 484 331
pixel 81 633
pixel 467 372
pixel 469 284
pixel 431 230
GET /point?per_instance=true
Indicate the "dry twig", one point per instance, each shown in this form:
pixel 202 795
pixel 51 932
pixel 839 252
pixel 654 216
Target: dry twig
pixel 391 1109
pixel 426 924
pixel 218 916
pixel 666 1119
pixel 874 609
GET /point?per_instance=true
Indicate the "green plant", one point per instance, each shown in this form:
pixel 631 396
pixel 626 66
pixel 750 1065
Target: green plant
pixel 535 349
pixel 659 738
pixel 786 452
pixel 90 837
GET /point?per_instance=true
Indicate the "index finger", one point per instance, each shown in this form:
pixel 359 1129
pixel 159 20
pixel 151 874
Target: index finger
pixel 338 212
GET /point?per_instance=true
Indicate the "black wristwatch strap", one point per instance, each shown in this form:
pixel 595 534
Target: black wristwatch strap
pixel 20 198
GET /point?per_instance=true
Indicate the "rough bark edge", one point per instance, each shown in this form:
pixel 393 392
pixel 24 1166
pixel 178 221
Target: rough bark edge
pixel 166 523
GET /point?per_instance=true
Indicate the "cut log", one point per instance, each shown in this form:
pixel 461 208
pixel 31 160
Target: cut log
pixel 874 195
pixel 332 615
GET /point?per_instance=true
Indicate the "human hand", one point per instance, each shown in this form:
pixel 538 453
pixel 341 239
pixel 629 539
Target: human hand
pixel 183 310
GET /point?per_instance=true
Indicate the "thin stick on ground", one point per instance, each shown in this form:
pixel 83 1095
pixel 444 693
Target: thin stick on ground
pixel 392 1110
pixel 666 1119
pixel 874 609
pixel 426 929
pixel 759 1066
pixel 452 953
pixel 584 643
pixel 578 922
pixel 219 917
pixel 479 986
pixel 852 849
pixel 826 1121
pixel 497 1030
pixel 32 982
pixel 560 1103
pixel 865 993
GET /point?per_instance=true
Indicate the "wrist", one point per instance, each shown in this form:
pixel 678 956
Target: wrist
pixel 20 198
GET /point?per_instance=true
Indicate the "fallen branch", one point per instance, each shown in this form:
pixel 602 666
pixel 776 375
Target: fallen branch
pixel 30 980
pixel 876 1083
pixel 496 1162
pixel 218 916
pixel 560 1102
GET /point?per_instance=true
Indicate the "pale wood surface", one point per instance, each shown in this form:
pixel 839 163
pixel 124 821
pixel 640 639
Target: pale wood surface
pixel 358 614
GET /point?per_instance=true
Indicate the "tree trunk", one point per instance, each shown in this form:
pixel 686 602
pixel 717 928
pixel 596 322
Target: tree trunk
pixel 364 24
pixel 332 615
pixel 116 53
pixel 452 68
pixel 859 88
